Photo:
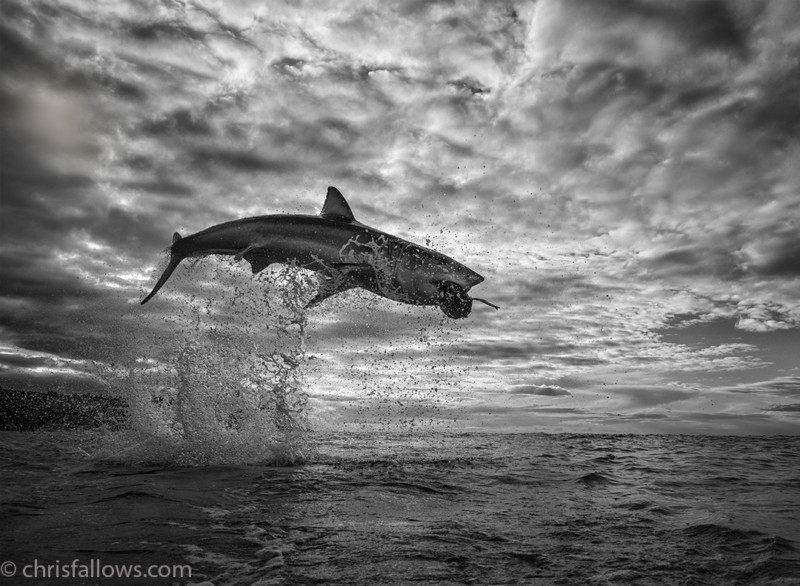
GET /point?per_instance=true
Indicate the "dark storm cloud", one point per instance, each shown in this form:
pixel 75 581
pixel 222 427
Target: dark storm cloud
pixel 682 159
pixel 499 349
pixel 694 259
pixel 36 277
pixel 163 30
pixel 546 284
pixel 703 23
pixel 38 233
pixel 27 371
pixel 31 59
pixel 471 86
pixel 206 158
pixel 773 116
pixel 793 408
pixel 36 196
pixel 48 203
pixel 160 186
pixel 19 54
pixel 327 138
pixel 180 121
pixel 9 359
pixel 65 382
pixel 722 423
pixel 778 255
pixel 68 242
pixel 127 231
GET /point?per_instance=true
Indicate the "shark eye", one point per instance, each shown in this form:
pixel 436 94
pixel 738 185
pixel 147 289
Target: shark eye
pixel 454 301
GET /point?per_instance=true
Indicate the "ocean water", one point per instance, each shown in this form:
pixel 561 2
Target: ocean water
pixel 414 508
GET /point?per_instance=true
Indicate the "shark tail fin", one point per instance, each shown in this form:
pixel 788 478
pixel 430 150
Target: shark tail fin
pixel 174 261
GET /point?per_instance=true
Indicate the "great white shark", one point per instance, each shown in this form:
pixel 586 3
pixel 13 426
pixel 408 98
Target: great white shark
pixel 344 252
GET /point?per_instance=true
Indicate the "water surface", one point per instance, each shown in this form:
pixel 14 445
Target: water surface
pixel 382 508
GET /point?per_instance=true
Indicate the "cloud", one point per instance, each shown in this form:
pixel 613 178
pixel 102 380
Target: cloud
pixel 614 419
pixel 722 423
pixel 26 370
pixel 607 166
pixel 630 136
pixel 776 254
pixel 238 160
pixel 637 397
pixel 539 390
pixel 494 409
pixel 783 387
pixel 700 423
pixel 793 408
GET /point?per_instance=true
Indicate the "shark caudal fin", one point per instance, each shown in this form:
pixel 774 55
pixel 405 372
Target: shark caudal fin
pixel 174 261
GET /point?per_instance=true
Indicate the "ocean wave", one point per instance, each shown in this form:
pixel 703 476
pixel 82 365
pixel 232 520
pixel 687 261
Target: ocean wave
pixel 593 479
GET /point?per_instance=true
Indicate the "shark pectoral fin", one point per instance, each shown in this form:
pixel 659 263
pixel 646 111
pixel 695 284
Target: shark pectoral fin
pixel 258 263
pixel 256 255
pixel 338 278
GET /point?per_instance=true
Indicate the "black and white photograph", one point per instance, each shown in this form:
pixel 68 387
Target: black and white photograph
pixel 480 292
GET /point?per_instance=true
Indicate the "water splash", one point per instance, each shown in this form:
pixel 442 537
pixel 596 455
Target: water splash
pixel 220 380
pixel 384 366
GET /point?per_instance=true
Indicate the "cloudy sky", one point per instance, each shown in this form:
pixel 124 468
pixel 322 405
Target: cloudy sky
pixel 623 173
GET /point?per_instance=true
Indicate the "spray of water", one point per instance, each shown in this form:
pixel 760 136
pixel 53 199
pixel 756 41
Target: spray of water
pixel 216 377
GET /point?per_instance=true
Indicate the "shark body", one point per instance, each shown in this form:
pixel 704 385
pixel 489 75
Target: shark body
pixel 344 252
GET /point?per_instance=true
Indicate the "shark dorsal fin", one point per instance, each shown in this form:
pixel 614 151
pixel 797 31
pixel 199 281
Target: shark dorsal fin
pixel 336 207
